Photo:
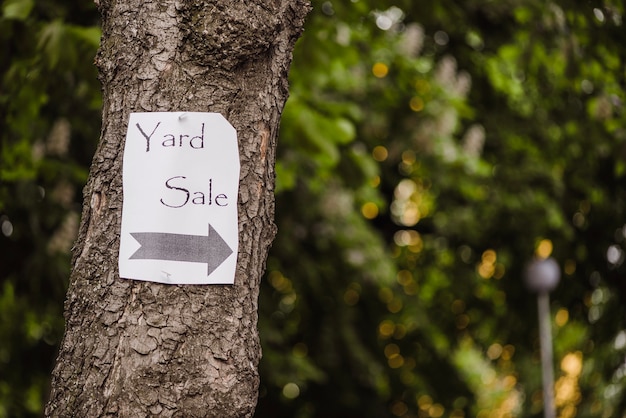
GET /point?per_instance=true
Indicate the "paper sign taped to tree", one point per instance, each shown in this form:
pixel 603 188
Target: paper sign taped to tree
pixel 180 182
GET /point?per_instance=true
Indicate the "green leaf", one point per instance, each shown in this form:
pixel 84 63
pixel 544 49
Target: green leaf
pixel 285 177
pixel 90 34
pixel 17 9
pixel 344 130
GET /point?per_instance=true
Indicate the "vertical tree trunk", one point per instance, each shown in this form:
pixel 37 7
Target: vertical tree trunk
pixel 132 348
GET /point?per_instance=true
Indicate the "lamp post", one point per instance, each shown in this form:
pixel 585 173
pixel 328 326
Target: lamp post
pixel 542 276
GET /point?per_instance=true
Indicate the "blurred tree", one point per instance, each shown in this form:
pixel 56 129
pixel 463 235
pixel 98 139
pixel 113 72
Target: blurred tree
pixel 427 151
pixel 50 117
pixel 498 133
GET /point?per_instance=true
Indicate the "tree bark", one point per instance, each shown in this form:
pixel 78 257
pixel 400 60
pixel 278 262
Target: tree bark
pixel 134 348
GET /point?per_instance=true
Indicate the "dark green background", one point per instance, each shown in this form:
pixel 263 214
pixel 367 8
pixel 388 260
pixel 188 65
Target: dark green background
pixel 427 149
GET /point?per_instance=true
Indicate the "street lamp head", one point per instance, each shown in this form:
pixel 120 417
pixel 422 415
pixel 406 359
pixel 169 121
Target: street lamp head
pixel 542 275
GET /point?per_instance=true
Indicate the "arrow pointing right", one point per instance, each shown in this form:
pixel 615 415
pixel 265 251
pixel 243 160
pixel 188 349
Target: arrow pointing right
pixel 210 249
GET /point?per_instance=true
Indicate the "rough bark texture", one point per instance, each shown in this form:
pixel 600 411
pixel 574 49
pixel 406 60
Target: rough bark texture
pixel 132 348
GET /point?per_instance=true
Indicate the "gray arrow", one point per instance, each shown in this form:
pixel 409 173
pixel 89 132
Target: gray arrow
pixel 210 249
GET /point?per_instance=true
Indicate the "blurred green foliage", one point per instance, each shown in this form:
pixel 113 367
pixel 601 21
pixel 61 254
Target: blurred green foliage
pixel 427 151
pixel 50 113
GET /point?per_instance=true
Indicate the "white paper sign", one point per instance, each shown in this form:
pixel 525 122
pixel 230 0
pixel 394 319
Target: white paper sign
pixel 181 182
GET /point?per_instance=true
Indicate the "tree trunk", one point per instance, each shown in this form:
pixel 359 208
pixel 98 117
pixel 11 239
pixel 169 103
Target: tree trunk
pixel 133 348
